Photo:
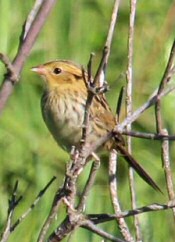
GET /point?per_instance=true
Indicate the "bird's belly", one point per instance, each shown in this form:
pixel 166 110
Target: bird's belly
pixel 65 124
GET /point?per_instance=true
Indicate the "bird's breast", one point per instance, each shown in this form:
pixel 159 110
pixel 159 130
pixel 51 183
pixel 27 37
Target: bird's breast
pixel 63 114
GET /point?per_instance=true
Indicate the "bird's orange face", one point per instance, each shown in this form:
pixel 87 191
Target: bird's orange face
pixel 58 73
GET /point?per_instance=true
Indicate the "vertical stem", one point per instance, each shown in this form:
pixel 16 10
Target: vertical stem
pixel 129 77
pixel 165 156
pixel 167 168
pixel 112 26
pixel 114 196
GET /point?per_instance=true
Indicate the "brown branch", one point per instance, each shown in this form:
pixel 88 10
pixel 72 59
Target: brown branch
pixel 114 196
pixel 7 86
pixel 90 226
pixel 11 74
pixel 149 103
pixel 165 79
pixel 129 78
pixel 111 28
pixel 167 168
pixel 30 18
pixel 32 206
pixel 67 195
pixel 93 85
pixel 13 203
pixel 88 186
pixel 120 128
pixel 54 209
pixel 69 224
pixel 169 71
pixel 151 136
pixel 155 207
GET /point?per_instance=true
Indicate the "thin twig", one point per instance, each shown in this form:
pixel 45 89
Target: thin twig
pixel 89 184
pixel 51 216
pixel 111 28
pixel 151 136
pixel 101 218
pixel 91 85
pixel 66 194
pixel 66 227
pixel 149 103
pixel 114 196
pixel 129 77
pixel 167 168
pixel 119 128
pixel 90 226
pixel 13 203
pixel 165 79
pixel 30 18
pixel 38 198
pixel 88 101
pixel 11 74
pixel 159 125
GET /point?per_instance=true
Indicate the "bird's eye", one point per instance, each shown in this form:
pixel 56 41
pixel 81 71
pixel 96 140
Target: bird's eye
pixel 57 71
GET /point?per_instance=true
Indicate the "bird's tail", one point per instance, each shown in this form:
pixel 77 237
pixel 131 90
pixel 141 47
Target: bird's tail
pixel 135 165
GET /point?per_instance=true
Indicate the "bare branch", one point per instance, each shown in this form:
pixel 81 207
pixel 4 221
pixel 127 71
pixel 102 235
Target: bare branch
pixel 114 196
pixel 54 209
pixel 129 77
pixel 66 194
pixel 13 202
pixel 111 28
pixel 90 226
pixel 101 218
pixel 11 74
pixel 159 125
pixel 165 79
pixel 136 114
pixel 151 136
pixel 89 184
pixel 31 17
pixel 167 168
pixel 38 198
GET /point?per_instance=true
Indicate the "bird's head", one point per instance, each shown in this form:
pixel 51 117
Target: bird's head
pixel 57 73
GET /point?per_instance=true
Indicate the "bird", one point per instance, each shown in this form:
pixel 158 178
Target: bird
pixel 63 105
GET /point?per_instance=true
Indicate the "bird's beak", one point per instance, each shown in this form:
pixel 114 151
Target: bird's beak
pixel 41 70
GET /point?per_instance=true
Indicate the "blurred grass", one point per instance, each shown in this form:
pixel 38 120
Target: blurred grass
pixel 27 150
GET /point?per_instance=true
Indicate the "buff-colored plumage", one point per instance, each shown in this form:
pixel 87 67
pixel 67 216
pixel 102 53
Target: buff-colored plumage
pixel 63 106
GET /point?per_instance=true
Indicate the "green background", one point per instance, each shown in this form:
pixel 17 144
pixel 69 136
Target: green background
pixel 29 154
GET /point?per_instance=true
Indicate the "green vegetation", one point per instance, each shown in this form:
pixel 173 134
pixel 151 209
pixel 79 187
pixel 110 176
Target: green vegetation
pixel 29 154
